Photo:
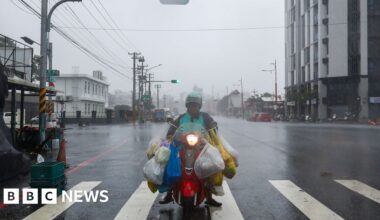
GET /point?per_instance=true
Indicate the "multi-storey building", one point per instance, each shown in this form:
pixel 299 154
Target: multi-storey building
pixel 332 59
pixel 88 94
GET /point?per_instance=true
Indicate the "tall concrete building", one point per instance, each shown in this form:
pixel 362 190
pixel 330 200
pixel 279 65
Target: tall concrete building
pixel 332 58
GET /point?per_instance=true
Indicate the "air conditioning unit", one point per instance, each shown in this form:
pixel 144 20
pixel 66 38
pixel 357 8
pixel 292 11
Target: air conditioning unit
pixel 60 98
pixel 69 98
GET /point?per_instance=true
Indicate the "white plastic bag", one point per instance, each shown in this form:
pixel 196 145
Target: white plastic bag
pixel 154 144
pixel 162 155
pixel 232 151
pixel 153 171
pixel 208 162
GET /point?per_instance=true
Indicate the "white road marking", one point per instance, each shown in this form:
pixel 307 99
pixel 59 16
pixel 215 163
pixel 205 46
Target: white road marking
pixel 138 205
pixel 229 209
pixel 52 211
pixel 308 205
pixel 361 188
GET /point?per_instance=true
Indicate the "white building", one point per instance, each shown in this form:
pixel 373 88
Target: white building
pixel 332 60
pixel 87 93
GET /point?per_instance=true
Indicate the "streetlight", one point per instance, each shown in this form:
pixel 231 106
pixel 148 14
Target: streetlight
pixel 45 30
pixel 275 78
pixel 29 41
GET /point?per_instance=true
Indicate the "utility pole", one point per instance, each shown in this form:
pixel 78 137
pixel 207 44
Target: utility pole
pixel 275 80
pixel 242 97
pixel 43 52
pixel 228 102
pixel 150 77
pixel 45 30
pixel 158 86
pixel 134 57
pixel 141 89
pixel 50 70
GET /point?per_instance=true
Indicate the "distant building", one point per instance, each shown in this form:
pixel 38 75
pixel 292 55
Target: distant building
pixel 89 94
pixel 120 97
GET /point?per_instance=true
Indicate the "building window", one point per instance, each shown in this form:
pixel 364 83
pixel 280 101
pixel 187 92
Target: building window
pixel 303 75
pixel 315 53
pixel 316 71
pixel 307 55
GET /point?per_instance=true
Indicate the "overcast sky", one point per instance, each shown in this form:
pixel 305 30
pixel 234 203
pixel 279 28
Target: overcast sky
pixel 194 43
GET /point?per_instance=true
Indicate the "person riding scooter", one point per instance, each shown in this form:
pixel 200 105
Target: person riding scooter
pixel 194 115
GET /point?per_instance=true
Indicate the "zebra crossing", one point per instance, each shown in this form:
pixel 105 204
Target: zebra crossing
pixel 139 204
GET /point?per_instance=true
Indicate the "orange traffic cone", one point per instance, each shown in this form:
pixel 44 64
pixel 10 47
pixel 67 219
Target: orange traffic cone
pixel 62 153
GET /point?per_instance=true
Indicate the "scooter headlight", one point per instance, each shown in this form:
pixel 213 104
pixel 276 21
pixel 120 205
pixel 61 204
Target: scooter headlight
pixel 192 140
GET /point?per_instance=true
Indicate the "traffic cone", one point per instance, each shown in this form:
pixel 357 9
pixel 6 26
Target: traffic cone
pixel 62 153
pixel 371 122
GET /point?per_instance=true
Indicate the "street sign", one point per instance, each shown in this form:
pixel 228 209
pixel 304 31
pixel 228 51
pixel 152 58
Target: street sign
pixel 146 97
pixel 176 81
pixel 50 79
pixel 52 73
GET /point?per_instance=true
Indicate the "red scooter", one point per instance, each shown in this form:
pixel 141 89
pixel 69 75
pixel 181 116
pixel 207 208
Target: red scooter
pixel 189 192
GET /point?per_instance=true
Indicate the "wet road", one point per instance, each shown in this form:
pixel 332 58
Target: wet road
pixel 287 171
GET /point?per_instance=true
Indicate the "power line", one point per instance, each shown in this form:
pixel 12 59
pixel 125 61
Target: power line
pixel 115 24
pixel 95 39
pixel 75 43
pixel 59 18
pixel 208 29
pixel 12 1
pixel 102 27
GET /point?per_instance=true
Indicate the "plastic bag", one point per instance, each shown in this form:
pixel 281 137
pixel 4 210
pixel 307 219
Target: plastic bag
pixel 232 151
pixel 154 144
pixel 217 190
pixel 173 168
pixel 154 172
pixel 162 155
pixel 208 162
pixel 216 179
pixel 152 187
pixel 230 169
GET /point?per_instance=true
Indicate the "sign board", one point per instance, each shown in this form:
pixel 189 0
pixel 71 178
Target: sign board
pixel 374 100
pixel 50 79
pixel 292 103
pixel 52 73
pixel 314 101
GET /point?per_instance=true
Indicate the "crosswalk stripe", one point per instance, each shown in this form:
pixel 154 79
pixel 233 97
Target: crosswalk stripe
pixel 229 209
pixel 138 205
pixel 52 211
pixel 308 205
pixel 362 189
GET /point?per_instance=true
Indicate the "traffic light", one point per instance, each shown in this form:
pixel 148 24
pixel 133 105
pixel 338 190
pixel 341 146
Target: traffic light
pixel 175 81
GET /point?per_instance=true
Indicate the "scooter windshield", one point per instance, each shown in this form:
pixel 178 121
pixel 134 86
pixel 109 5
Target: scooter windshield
pixel 191 127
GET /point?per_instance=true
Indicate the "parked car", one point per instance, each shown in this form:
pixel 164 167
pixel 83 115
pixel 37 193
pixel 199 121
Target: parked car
pixel 7 118
pixel 261 117
pixel 35 120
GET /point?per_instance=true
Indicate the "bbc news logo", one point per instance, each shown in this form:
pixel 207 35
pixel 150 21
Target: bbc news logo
pixel 49 196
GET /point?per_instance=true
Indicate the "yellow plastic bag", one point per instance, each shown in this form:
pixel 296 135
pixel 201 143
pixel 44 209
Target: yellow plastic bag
pixel 230 165
pixel 216 179
pixel 230 169
pixel 153 187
